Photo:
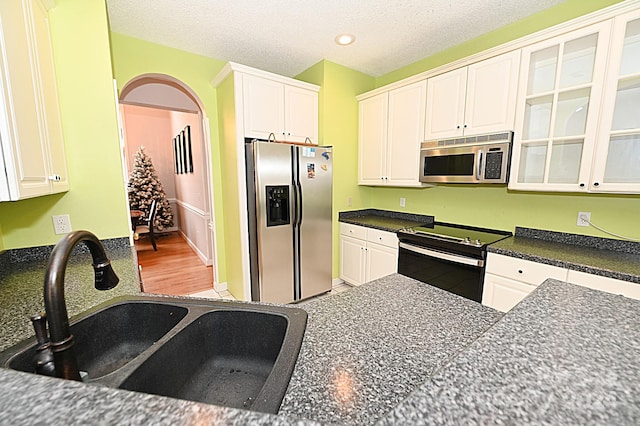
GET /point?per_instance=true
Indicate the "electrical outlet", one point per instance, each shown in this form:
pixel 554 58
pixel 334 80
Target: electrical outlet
pixel 403 202
pixel 61 224
pixel 583 218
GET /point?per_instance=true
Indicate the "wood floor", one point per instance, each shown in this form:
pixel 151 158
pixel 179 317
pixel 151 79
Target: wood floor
pixel 174 269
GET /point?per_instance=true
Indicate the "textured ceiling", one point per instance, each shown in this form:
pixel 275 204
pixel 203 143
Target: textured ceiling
pixel 288 36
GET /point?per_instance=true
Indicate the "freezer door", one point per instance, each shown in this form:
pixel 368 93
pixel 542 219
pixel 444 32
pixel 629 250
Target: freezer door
pixel 315 222
pixel 273 175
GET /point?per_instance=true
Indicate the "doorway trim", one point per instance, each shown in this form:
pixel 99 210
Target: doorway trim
pixel 154 78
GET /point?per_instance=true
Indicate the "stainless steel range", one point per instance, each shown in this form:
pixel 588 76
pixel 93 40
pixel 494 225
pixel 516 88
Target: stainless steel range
pixel 447 256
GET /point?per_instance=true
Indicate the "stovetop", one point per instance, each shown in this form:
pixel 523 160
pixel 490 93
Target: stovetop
pixel 452 237
pixel 459 233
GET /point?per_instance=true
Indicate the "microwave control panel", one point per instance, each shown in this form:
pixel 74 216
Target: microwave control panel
pixel 493 165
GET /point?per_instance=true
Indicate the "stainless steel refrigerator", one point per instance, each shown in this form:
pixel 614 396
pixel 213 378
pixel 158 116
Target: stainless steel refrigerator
pixel 289 189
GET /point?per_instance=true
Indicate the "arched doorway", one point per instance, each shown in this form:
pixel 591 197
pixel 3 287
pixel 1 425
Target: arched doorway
pixel 154 109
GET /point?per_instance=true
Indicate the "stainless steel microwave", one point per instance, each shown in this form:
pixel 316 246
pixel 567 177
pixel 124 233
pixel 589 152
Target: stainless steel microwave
pixel 474 159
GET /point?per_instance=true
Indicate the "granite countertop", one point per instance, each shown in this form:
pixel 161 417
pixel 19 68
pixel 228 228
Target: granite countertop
pixel 396 351
pixel 565 355
pixel 366 349
pixel 385 220
pixel 599 256
pixel 22 289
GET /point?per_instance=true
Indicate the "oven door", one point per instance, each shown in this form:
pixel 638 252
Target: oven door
pixel 457 274
pixel 451 164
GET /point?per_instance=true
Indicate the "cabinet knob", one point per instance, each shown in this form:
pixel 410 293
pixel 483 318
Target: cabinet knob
pixel 519 271
pixel 596 183
pixel 582 185
pixel 458 126
pixel 55 178
pixel 465 126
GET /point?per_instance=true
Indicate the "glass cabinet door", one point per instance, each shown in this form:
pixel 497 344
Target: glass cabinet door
pixel 617 161
pixel 556 119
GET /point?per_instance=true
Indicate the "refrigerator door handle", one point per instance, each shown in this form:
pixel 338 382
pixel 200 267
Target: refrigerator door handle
pixel 294 186
pixel 299 191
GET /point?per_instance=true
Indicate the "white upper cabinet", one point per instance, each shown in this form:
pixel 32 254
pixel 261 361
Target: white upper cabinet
pixel 559 96
pixel 616 166
pixel 287 111
pixel 30 127
pixel 391 128
pixel 372 162
pixel 473 100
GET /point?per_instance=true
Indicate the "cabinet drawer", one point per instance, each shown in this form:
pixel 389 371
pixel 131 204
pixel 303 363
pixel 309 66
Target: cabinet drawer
pixel 528 272
pixel 354 231
pixel 384 238
pixel 610 285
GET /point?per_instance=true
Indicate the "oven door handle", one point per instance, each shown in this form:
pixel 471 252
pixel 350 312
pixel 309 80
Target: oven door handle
pixel 444 256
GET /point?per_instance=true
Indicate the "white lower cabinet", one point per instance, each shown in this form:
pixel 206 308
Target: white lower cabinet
pixel 610 285
pixel 508 280
pixel 366 254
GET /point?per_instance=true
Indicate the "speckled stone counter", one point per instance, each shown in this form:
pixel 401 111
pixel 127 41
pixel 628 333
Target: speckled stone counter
pixel 366 349
pixel 22 285
pixel 385 220
pixel 565 355
pixel 396 351
pixel 593 255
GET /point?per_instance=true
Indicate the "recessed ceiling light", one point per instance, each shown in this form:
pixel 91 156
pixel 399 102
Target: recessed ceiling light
pixel 345 39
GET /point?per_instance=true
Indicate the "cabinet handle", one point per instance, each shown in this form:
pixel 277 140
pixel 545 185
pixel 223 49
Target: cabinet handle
pixel 55 178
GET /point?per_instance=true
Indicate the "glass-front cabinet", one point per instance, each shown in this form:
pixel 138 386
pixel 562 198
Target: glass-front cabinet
pixel 560 93
pixel 616 166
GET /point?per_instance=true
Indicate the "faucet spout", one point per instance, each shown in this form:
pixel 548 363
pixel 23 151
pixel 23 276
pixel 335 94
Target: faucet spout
pixel 61 344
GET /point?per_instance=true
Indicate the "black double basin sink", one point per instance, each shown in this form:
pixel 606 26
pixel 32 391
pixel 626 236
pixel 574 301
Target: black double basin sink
pixel 233 354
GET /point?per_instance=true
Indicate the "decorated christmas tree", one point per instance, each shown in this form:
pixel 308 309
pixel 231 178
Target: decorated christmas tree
pixel 144 187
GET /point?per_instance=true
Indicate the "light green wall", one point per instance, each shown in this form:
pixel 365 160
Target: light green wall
pixel 547 18
pixel 228 150
pixel 96 198
pixel 495 206
pixel 133 57
pixel 338 118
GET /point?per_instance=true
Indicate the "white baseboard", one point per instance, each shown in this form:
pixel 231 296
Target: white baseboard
pixel 336 282
pixel 195 248
pixel 220 287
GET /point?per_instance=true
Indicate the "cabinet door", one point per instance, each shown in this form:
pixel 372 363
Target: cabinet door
pixel 616 163
pixel 381 261
pixel 491 94
pixel 557 113
pixel 22 132
pixel 263 107
pixel 372 140
pixel 352 260
pixel 445 104
pixel 301 114
pixel 405 133
pixel 502 293
pixel 52 122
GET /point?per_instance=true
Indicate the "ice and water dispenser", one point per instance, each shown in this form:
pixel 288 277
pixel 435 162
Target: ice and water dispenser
pixel 277 205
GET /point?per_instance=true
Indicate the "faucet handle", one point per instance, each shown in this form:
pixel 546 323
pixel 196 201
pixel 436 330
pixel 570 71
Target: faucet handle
pixel 43 358
pixel 39 322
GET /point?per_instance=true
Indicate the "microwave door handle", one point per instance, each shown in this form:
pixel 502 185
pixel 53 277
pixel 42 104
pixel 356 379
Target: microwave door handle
pixel 479 168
